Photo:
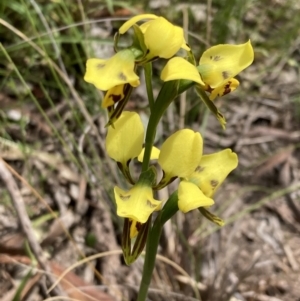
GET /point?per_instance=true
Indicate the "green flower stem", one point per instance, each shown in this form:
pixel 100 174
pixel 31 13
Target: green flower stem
pixel 148 79
pixel 151 250
pixel 167 212
pixel 166 95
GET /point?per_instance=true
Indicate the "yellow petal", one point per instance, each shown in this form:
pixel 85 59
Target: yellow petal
pixel 124 141
pixel 191 197
pixel 117 70
pixel 134 226
pixel 134 20
pixel 154 154
pixel 162 38
pixel 178 68
pixel 224 89
pixel 185 46
pixel 181 153
pixel 220 63
pixel 137 203
pixel 113 95
pixel 145 26
pixel 213 170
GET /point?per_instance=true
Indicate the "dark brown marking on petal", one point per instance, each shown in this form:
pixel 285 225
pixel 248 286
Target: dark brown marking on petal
pixel 124 197
pixel 217 58
pixel 209 89
pixel 214 183
pixel 100 66
pixel 225 74
pixel 199 168
pixel 122 76
pixel 149 204
pixel 115 97
pixel 227 88
pixel 138 226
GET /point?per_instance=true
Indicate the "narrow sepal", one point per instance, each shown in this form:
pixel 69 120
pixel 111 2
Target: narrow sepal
pixel 131 254
pixel 140 241
pixel 115 112
pixel 126 240
pixel 126 172
pixel 165 181
pixel 138 47
pixel 211 217
pixel 211 106
pixel 116 41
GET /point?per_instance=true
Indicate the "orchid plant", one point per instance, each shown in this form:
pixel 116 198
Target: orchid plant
pixel 181 155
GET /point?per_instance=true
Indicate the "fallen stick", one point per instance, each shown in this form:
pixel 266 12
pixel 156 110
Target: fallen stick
pixel 19 206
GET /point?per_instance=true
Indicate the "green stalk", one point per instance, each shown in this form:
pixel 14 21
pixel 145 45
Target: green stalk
pixel 151 250
pixel 167 212
pixel 166 95
pixel 148 80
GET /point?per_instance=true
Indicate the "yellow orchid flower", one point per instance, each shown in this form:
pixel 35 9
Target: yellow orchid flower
pixel 113 95
pixel 180 154
pixel 154 154
pixel 162 38
pixel 207 177
pixel 220 64
pixel 224 89
pixel 190 197
pixel 179 68
pixel 124 141
pixel 137 203
pixel 217 67
pixel 118 70
pixel 213 170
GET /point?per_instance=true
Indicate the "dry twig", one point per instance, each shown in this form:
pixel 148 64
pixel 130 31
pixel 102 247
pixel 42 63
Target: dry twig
pixel 19 206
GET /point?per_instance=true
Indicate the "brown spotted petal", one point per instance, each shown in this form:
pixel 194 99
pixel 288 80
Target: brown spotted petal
pixel 113 95
pixel 213 170
pixel 224 89
pixel 118 70
pixel 220 63
pixel 136 204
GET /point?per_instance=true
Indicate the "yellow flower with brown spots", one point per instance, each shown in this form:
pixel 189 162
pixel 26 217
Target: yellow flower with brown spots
pixel 217 68
pixel 209 174
pixel 201 175
pixel 180 157
pixel 137 203
pixel 112 75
